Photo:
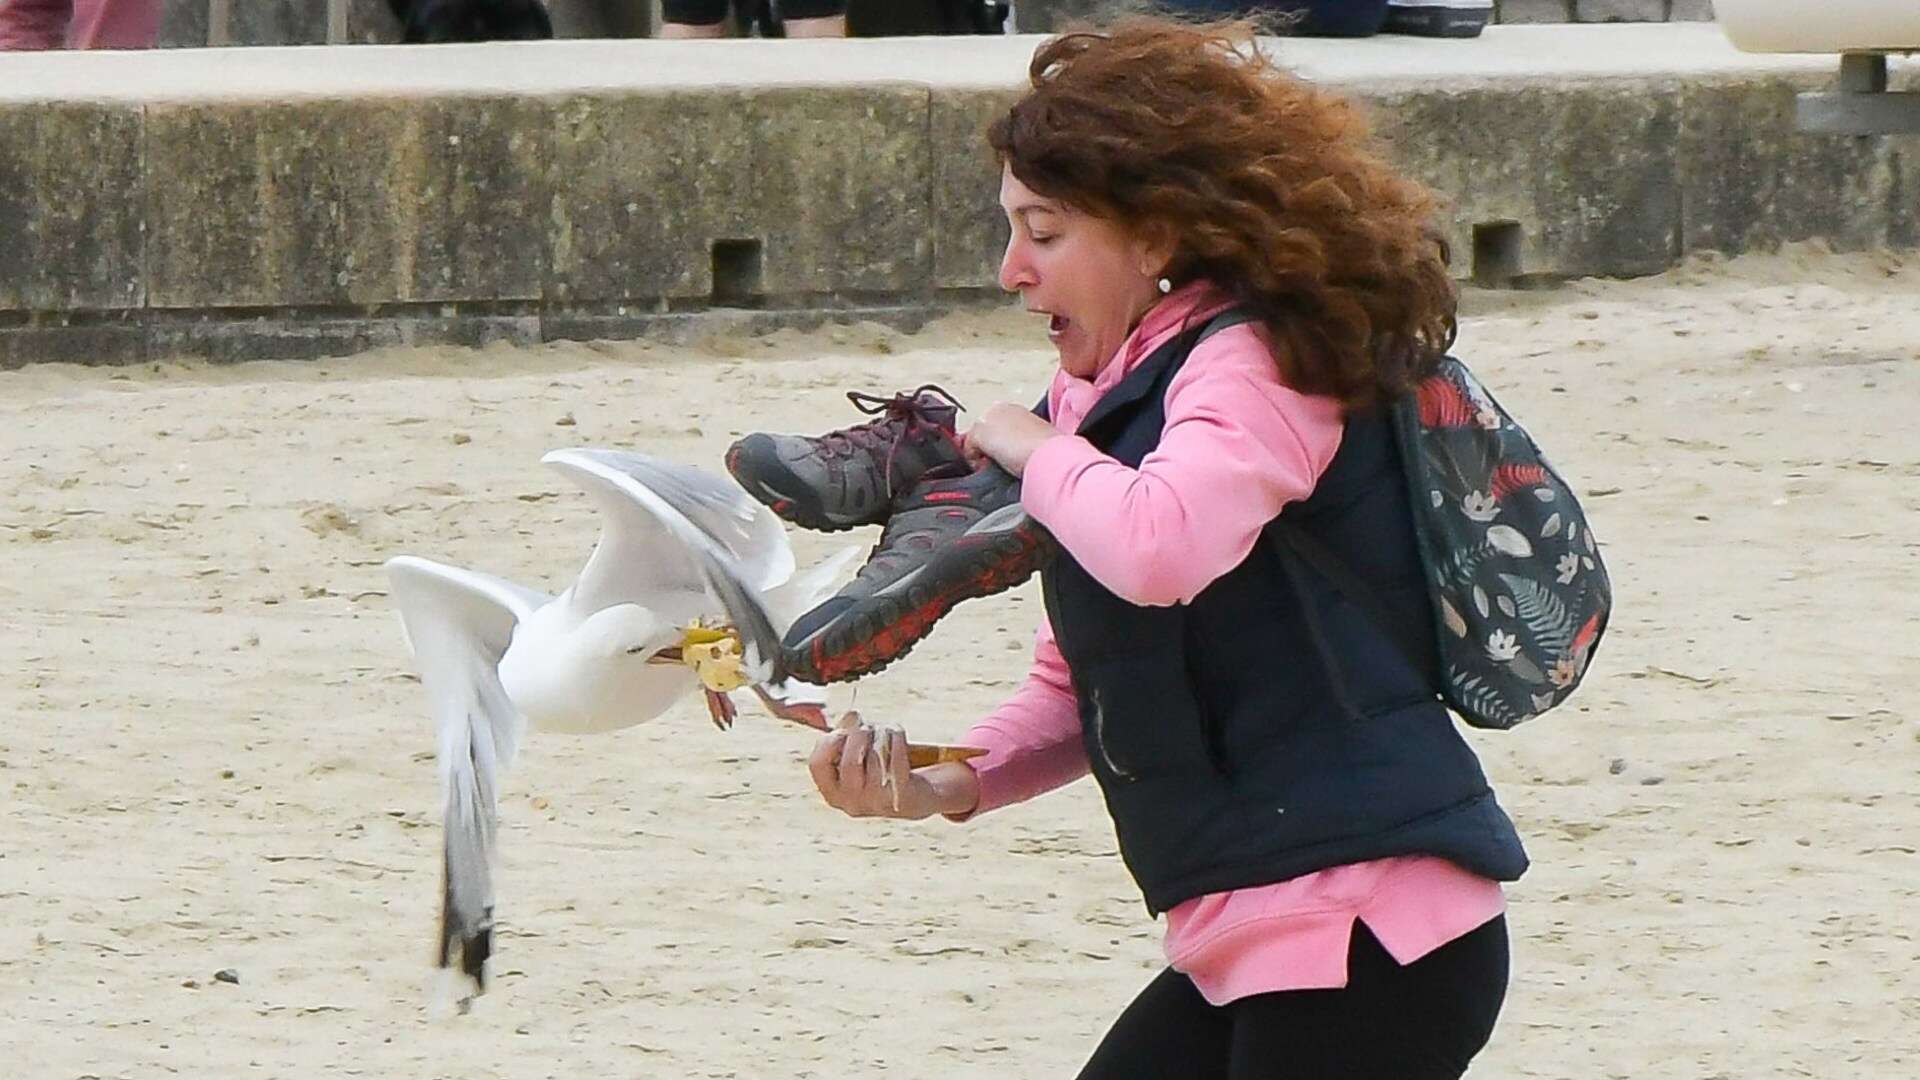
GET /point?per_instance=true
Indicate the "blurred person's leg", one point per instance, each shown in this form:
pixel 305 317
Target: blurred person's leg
pixel 1339 18
pixel 814 18
pixel 114 24
pixel 27 25
pixel 683 19
pixel 1308 18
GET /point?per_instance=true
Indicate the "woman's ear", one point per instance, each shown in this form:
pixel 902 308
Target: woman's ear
pixel 1154 248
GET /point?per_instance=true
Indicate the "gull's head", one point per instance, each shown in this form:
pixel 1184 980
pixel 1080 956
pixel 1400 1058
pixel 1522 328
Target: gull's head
pixel 625 631
pixel 600 673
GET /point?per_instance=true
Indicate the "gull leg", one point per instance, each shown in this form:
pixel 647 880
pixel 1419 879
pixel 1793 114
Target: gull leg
pixel 720 707
pixel 798 712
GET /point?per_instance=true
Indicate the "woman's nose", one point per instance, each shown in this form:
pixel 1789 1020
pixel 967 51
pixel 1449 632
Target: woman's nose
pixel 1016 272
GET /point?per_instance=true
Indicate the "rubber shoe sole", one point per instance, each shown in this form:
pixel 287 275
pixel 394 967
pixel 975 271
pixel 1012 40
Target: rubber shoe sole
pixel 874 631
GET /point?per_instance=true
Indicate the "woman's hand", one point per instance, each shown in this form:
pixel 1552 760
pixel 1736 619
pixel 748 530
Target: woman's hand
pixel 863 772
pixel 1007 434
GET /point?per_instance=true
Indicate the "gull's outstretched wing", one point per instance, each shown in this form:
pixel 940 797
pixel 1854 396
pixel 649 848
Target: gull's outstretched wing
pixel 644 500
pixel 672 528
pixel 458 624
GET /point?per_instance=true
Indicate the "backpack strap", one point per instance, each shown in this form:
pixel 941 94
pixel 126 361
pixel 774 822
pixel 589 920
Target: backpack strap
pixel 1297 546
pixel 1290 539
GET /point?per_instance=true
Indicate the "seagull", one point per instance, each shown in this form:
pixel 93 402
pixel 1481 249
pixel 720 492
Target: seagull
pixel 691 584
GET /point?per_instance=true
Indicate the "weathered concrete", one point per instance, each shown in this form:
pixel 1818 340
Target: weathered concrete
pixel 1620 10
pixel 71 186
pixel 970 231
pixel 348 203
pixel 1535 11
pixel 1744 188
pixel 277 22
pixel 370 22
pixel 829 184
pixel 183 24
pixel 231 203
pixel 1590 178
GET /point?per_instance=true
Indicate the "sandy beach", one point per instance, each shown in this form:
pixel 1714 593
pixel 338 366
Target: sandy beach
pixel 215 758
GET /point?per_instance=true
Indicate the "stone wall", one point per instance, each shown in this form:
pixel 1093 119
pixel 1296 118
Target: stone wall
pixel 310 202
pixel 1538 11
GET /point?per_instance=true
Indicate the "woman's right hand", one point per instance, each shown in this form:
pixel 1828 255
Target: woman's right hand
pixel 847 767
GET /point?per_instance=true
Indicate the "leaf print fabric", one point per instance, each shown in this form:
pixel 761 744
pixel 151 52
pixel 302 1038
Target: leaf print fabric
pixel 1520 594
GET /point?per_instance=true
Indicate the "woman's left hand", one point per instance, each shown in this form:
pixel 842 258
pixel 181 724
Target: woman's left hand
pixel 1007 434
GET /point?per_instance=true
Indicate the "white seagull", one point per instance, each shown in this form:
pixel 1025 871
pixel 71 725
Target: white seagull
pixel 690 584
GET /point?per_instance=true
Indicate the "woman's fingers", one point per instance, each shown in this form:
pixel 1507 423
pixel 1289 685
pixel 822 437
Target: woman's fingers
pixel 898 763
pixel 854 777
pixel 853 759
pixel 824 765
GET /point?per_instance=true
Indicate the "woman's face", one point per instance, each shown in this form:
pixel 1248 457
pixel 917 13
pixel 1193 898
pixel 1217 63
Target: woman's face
pixel 1084 272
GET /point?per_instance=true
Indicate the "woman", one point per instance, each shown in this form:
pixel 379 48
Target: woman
pixel 1233 284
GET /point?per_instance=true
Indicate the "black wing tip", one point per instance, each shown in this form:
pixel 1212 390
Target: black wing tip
pixel 466 947
pixel 467 951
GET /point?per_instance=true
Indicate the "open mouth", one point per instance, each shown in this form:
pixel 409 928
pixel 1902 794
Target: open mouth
pixel 1057 325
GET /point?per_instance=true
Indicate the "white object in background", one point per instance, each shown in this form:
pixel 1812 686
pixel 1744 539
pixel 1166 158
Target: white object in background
pixel 1820 26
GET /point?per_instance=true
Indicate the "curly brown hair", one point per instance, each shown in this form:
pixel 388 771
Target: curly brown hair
pixel 1266 186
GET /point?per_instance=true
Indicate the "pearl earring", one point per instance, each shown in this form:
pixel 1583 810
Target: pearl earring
pixel 1166 286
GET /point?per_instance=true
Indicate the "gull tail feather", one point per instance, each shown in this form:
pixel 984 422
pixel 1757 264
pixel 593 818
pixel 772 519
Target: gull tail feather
pixel 466 907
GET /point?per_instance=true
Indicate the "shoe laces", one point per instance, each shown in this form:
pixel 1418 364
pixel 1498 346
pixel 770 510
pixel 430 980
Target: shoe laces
pixel 895 419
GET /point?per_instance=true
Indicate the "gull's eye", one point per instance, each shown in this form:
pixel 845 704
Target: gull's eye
pixel 637 649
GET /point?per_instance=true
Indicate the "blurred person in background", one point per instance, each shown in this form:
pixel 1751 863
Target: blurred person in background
pixel 29 25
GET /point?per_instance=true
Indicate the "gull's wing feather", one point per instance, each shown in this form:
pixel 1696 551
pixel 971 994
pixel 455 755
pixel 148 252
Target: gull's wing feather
pixel 458 624
pixel 803 591
pixel 646 501
pixel 660 537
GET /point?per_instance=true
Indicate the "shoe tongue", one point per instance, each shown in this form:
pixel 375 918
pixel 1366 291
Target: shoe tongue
pixel 938 410
pixel 951 474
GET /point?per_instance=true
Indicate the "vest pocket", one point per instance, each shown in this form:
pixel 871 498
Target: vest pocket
pixel 1139 716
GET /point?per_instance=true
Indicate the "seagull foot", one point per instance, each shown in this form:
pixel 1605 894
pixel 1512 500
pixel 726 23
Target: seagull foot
pixel 805 713
pixel 721 708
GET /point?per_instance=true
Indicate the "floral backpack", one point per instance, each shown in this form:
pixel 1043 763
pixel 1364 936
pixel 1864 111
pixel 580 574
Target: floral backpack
pixel 1520 595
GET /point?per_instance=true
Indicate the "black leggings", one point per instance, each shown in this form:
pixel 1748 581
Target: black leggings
pixel 1424 1021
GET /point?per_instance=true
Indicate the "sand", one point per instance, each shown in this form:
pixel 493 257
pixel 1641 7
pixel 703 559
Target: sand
pixel 215 758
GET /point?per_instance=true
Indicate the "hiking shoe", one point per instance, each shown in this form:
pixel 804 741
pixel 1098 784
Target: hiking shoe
pixel 955 536
pixel 848 477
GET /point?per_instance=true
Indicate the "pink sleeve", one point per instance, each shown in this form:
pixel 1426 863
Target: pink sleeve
pixel 1238 445
pixel 1033 740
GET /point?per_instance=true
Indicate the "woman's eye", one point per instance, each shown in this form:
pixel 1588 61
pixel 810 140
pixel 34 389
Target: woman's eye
pixel 1043 240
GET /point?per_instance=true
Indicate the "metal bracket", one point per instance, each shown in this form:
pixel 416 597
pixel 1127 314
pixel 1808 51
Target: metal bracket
pixel 1863 105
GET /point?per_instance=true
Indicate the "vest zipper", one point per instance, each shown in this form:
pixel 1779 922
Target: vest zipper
pixel 1100 735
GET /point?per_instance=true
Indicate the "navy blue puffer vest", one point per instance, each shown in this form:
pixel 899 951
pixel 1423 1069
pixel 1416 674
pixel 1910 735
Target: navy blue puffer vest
pixel 1266 729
